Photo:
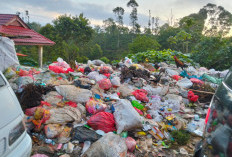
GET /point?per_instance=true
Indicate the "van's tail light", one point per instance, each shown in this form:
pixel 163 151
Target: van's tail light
pixel 16 132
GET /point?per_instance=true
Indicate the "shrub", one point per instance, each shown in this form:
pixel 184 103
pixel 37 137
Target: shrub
pixel 181 137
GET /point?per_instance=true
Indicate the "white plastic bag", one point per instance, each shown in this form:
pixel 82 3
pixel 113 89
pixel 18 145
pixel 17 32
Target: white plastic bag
pixel 126 117
pixel 73 93
pixel 184 83
pixel 115 81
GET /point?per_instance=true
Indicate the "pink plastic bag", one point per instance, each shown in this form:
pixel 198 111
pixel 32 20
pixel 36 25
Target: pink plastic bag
pixel 102 121
pixel 197 81
pixel 130 143
pixel 139 111
pixel 23 72
pixel 141 94
pixel 105 84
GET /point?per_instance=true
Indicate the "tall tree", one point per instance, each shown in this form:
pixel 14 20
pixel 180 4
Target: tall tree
pixel 133 16
pixel 119 12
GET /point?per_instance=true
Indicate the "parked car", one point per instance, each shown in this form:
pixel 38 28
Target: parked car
pixel 217 140
pixel 14 140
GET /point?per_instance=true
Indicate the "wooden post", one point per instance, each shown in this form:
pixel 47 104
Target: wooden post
pixel 40 51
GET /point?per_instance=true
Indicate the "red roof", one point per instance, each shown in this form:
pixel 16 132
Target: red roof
pixel 13 26
pixel 5 18
pixel 25 36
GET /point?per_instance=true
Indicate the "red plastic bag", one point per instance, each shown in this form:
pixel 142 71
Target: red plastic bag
pixel 105 84
pixel 71 103
pixel 30 111
pixel 141 94
pixel 192 97
pixel 56 69
pixel 102 121
pixel 107 75
pixel 176 77
pixel 23 72
pixel 130 143
pixel 104 70
pixel 69 70
pixel 42 103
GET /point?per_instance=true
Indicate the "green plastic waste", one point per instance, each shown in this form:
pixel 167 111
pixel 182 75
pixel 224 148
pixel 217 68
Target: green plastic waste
pixel 137 104
pixel 124 134
pixel 212 79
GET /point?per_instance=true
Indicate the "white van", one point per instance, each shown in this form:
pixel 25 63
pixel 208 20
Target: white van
pixel 14 140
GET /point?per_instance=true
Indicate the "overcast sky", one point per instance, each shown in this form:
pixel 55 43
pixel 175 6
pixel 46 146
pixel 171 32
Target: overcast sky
pixel 44 11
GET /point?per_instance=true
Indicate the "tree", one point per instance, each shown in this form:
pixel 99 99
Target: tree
pixel 143 43
pixel 133 16
pixel 96 51
pixel 35 26
pixel 75 29
pixel 119 12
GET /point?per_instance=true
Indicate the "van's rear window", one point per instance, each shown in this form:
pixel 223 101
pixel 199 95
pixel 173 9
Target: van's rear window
pixel 2 82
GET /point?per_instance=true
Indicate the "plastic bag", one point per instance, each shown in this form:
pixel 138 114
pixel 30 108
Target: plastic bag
pixel 115 81
pixel 64 115
pixel 125 90
pixel 176 77
pixel 109 145
pixel 62 63
pixel 105 84
pixel 139 111
pixel 94 75
pixel 184 83
pixel 137 105
pixel 130 143
pixel 105 70
pixel 94 106
pixel 73 93
pixel 30 111
pixel 52 130
pixel 126 117
pixel 9 73
pixel 171 72
pixel 83 134
pixel 52 97
pixel 197 81
pixel 102 121
pixel 141 94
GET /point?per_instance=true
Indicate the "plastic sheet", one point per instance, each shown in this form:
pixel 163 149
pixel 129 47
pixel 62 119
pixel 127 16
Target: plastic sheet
pixel 8 55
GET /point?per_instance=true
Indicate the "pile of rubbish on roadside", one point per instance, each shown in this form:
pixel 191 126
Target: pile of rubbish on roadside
pixel 99 110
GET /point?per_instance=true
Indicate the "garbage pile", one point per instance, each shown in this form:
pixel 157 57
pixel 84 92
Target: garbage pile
pixel 93 110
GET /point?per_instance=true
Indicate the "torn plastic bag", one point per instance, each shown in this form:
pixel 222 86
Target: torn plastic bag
pixel 125 90
pixel 102 121
pixel 126 117
pixel 110 145
pixel 73 93
pixel 83 134
pixel 64 115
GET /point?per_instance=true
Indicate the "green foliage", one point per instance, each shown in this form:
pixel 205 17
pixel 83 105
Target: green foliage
pixel 115 62
pixel 27 61
pixel 154 56
pixel 215 51
pixel 105 60
pixel 82 59
pixel 143 43
pixel 96 51
pixel 181 137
